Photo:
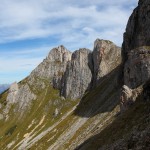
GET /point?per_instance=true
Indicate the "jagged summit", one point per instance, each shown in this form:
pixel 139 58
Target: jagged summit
pixel 72 73
pixel 96 63
pixel 136 46
pixel 53 89
pixel 137 30
pixel 78 74
pixel 76 100
pixel 106 56
pixel 59 54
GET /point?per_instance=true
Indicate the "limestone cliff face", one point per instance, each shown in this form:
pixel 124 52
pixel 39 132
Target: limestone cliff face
pixel 136 46
pixel 13 90
pixel 70 73
pixel 137 31
pixel 74 73
pixel 137 67
pixel 18 94
pixel 106 56
pixel 53 67
pixel 78 75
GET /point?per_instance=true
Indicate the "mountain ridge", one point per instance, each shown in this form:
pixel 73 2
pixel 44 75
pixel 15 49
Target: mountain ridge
pixel 4 87
pixel 84 100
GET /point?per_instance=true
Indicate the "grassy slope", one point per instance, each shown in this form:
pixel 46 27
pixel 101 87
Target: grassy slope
pixel 124 130
pixel 96 110
pixel 42 108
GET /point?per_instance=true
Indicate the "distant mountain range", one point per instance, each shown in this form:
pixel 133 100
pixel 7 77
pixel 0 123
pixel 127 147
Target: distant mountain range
pixel 3 87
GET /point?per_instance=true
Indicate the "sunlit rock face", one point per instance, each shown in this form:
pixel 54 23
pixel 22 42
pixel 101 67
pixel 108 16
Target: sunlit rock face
pixel 72 73
pixel 20 95
pixel 78 75
pixel 12 93
pixel 53 67
pixel 106 56
pixel 75 73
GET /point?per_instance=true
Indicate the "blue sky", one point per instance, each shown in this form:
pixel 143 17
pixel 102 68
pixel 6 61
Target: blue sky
pixel 29 29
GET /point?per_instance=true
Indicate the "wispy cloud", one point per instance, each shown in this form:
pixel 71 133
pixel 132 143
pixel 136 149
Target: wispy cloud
pixel 72 23
pixel 15 65
pixel 32 19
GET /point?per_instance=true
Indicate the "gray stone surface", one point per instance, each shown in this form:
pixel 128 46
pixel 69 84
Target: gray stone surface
pixel 137 67
pixel 106 56
pixel 53 67
pixel 129 96
pixel 13 90
pixel 71 73
pixel 78 75
pixel 137 31
pixel 136 46
pixel 22 95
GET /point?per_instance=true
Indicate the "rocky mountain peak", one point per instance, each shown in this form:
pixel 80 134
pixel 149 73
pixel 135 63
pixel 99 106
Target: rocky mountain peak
pixel 137 30
pixel 106 56
pixel 78 75
pixel 59 54
pixel 71 100
pixel 71 73
pixel 136 46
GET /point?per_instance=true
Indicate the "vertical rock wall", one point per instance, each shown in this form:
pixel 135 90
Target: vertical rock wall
pixel 136 46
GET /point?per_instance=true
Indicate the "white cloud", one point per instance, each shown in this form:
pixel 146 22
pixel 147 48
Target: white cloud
pixel 75 23
pixel 32 19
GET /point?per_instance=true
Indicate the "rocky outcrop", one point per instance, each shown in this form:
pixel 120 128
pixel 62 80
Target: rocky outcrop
pixel 25 96
pixel 128 97
pixel 74 73
pixel 125 98
pixel 136 54
pixel 106 56
pixel 12 93
pixel 78 75
pixel 137 67
pixel 136 46
pixel 137 31
pixel 19 94
pixel 70 73
pixel 53 67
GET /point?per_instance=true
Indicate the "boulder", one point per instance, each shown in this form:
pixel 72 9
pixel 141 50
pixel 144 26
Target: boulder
pixel 129 96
